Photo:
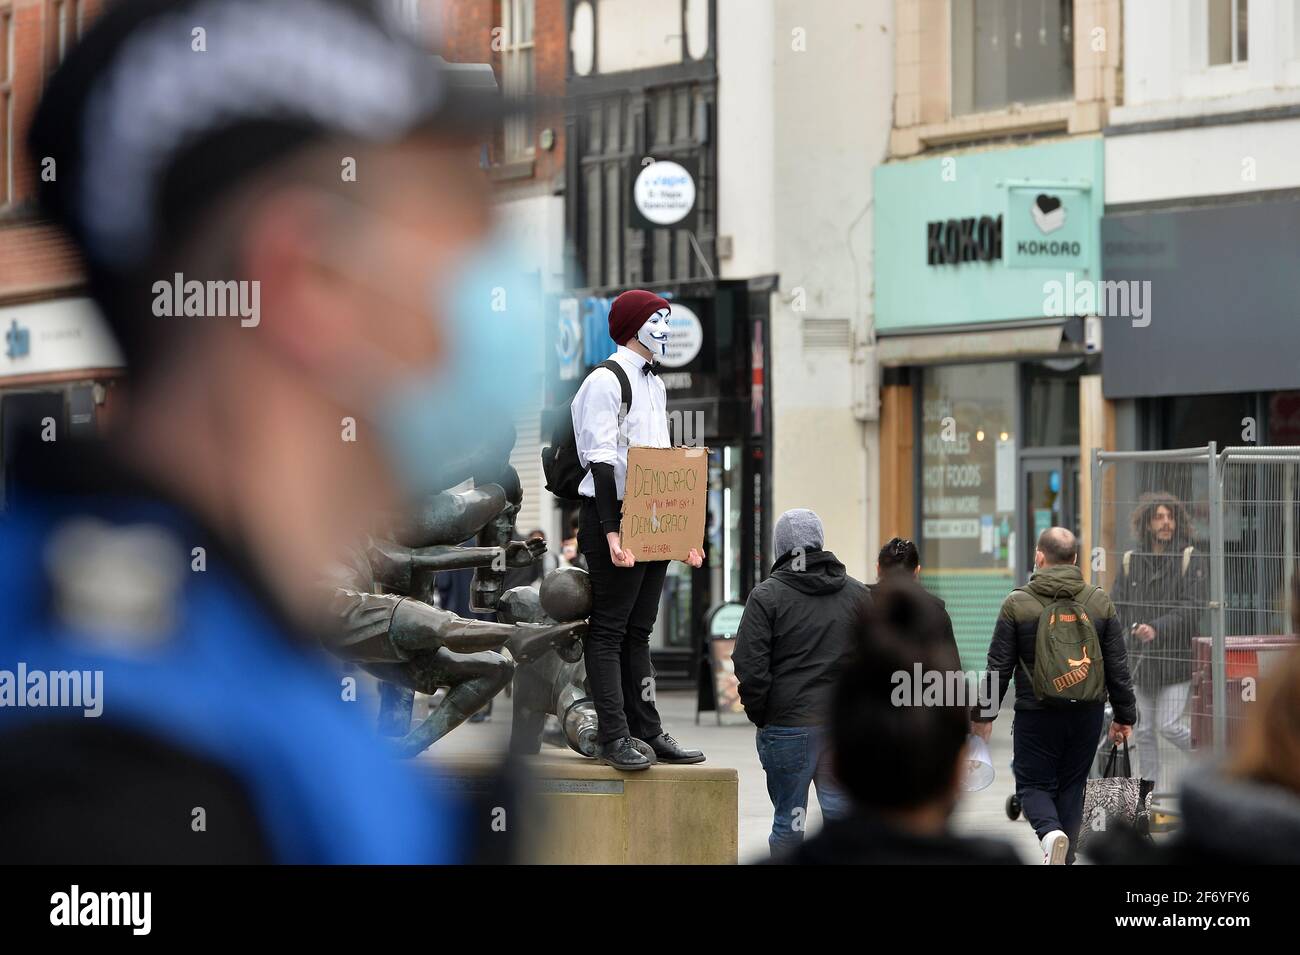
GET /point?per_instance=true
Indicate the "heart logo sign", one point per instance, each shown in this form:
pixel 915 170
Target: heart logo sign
pixel 1048 213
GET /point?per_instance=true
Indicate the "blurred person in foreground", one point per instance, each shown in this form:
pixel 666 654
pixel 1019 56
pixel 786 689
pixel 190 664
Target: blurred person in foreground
pixel 798 626
pixel 900 763
pixel 1246 809
pixel 1057 721
pixel 898 567
pixel 181 559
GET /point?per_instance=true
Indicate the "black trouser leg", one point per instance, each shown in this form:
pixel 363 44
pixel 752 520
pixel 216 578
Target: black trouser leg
pixel 1076 762
pixel 1037 742
pixel 1052 752
pixel 637 671
pixel 614 591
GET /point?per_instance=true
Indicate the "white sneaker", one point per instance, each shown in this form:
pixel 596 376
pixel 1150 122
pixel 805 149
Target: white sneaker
pixel 1056 846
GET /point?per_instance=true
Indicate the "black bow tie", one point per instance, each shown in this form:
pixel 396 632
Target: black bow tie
pixel 649 369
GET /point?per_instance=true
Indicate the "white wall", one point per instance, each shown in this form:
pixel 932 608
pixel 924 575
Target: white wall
pixel 1166 78
pixel 746 135
pixel 1203 161
pixel 1165 61
pixel 805 106
pixel 634 34
pixel 536 223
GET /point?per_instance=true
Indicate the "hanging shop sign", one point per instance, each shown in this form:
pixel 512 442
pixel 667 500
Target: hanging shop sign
pixel 664 193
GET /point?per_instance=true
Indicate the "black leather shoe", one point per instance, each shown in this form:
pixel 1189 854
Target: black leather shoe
pixel 668 750
pixel 646 750
pixel 622 754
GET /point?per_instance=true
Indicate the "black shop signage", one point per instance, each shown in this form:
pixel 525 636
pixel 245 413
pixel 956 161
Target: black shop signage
pixel 972 239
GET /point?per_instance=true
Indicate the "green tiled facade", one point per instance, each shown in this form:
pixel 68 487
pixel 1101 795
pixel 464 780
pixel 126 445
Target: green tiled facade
pixel 973 599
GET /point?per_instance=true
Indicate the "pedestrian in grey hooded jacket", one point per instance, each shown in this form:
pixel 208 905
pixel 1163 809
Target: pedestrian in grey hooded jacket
pixel 798 626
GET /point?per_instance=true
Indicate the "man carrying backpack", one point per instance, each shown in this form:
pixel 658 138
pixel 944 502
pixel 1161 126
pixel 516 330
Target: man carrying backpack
pixel 622 403
pixel 1062 640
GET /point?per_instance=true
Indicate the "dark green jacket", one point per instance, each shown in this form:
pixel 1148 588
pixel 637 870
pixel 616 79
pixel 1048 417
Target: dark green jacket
pixel 1012 650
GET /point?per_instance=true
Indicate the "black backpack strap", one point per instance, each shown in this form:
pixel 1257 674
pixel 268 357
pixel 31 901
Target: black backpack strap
pixel 624 384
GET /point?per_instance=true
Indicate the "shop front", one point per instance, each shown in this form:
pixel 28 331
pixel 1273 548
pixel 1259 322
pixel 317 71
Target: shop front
pixel 1217 360
pixel 58 373
pixel 986 321
pixel 713 373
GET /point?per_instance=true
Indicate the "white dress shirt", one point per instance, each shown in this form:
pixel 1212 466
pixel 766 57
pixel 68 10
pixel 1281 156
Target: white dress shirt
pixel 595 418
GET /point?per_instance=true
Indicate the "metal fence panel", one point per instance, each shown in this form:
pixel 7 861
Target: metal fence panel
pixel 1152 555
pixel 1197 549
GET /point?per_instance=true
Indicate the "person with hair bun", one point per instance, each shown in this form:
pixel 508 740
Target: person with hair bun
pixel 898 569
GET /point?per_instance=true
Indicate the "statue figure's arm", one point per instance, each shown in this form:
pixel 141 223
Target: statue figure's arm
pixel 447 557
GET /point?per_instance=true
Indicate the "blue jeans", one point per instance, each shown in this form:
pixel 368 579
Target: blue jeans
pixel 794 757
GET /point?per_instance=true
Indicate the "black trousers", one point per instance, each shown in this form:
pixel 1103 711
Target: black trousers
pixel 1052 752
pixel 624 604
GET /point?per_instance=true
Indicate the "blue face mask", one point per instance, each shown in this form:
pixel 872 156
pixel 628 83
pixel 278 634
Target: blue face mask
pixel 457 420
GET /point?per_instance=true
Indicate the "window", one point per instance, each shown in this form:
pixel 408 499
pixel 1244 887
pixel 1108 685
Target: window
pixel 967 489
pixel 6 105
pixel 517 77
pixel 1227 31
pixel 1011 51
pixel 967 515
pixel 64 23
pixel 1051 402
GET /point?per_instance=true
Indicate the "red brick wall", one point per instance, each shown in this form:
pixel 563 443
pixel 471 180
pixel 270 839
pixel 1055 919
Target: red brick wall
pixel 35 260
pixel 467 37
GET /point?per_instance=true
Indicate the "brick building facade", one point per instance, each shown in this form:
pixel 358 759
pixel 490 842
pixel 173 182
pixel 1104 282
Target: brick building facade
pixel 480 31
pixel 36 263
pixel 57 360
pixel 526 43
pixel 58 366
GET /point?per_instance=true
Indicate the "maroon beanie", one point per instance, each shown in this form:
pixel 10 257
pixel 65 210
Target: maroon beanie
pixel 630 311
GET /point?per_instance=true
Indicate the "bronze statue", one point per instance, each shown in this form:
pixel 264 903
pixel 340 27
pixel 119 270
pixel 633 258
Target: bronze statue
pixel 412 646
pixel 555 684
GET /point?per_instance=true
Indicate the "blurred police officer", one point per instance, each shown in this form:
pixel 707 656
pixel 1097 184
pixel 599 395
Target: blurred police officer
pixel 280 214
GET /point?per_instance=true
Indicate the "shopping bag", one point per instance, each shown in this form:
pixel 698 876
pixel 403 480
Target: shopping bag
pixel 1115 801
pixel 979 765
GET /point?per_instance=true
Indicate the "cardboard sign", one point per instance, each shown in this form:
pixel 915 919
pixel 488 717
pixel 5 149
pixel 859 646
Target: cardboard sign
pixel 663 502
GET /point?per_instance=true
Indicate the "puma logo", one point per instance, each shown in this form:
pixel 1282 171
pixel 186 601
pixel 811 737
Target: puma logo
pixel 1077 674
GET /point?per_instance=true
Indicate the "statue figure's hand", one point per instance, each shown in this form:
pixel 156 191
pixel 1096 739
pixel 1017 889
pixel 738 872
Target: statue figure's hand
pixel 390 562
pixel 533 641
pixel 568 640
pixel 524 553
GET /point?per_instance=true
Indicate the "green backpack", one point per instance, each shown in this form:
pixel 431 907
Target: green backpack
pixel 1067 651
